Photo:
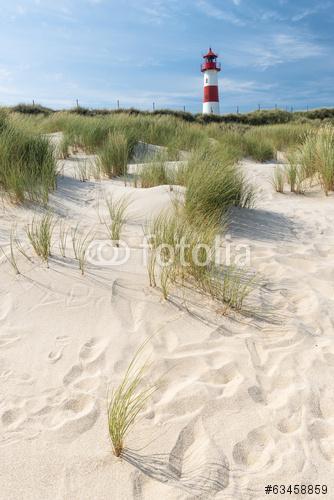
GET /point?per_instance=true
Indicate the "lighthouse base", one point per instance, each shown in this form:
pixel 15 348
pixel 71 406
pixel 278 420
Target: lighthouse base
pixel 211 108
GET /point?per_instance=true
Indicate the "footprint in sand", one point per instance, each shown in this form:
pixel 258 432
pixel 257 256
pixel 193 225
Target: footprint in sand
pixel 93 351
pixel 227 378
pixel 75 416
pixel 87 384
pixel 257 394
pixel 80 295
pixel 323 432
pixel 11 417
pixel 57 353
pixel 74 373
pixel 254 449
pixel 197 461
pixel 195 464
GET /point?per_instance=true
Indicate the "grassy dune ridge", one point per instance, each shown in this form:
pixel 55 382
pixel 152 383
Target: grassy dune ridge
pixel 27 169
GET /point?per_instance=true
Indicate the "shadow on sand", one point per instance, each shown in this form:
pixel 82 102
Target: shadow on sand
pixel 261 225
pixel 206 478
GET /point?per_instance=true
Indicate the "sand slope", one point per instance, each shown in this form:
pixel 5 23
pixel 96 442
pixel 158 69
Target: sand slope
pixel 244 402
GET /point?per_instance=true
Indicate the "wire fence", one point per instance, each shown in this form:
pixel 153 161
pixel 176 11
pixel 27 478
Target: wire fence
pixel 188 108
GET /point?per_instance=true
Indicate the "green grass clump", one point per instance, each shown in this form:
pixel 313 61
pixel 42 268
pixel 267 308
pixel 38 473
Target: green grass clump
pixel 231 286
pixel 313 161
pixel 324 157
pixel 27 164
pixel 214 184
pixel 40 233
pixel 127 401
pixel 80 245
pixel 114 155
pixel 258 147
pixel 317 156
pixel 157 173
pixel 117 216
pixel 278 179
pixel 154 174
pixel 182 253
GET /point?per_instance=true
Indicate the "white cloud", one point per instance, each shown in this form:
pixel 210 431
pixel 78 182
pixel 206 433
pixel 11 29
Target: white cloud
pixel 156 11
pixel 240 86
pixel 210 10
pixel 310 11
pixel 280 48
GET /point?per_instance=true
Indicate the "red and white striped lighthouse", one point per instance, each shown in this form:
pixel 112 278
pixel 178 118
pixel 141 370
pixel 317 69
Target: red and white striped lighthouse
pixel 210 68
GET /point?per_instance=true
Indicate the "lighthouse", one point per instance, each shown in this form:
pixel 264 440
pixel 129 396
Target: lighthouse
pixel 210 69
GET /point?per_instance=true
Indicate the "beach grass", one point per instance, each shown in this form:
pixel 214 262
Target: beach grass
pixel 278 179
pixel 114 155
pixel 313 161
pixel 127 400
pixel 39 233
pixel 182 253
pixel 117 211
pixel 27 164
pixel 214 184
pixel 80 245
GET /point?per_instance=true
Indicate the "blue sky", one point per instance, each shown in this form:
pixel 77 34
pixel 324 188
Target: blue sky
pixel 144 51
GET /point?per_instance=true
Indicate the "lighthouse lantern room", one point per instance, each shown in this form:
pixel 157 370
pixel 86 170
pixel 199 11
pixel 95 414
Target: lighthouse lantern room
pixel 210 68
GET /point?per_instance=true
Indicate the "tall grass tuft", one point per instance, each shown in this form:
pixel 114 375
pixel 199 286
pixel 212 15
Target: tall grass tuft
pixel 215 184
pixel 80 244
pixel 324 157
pixel 114 155
pixel 40 233
pixel 64 147
pixel 296 172
pixel 154 173
pixel 278 179
pixel 230 285
pixel 183 253
pixel 127 401
pixel 27 164
pixel 314 158
pixel 259 147
pixel 117 216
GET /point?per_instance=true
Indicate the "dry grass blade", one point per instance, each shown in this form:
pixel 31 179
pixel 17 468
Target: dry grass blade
pixel 127 401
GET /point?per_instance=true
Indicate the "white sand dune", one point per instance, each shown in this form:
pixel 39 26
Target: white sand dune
pixel 244 401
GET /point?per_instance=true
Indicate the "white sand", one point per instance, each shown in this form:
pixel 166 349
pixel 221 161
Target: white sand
pixel 244 402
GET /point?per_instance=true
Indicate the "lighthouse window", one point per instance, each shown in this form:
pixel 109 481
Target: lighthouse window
pixel 206 80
